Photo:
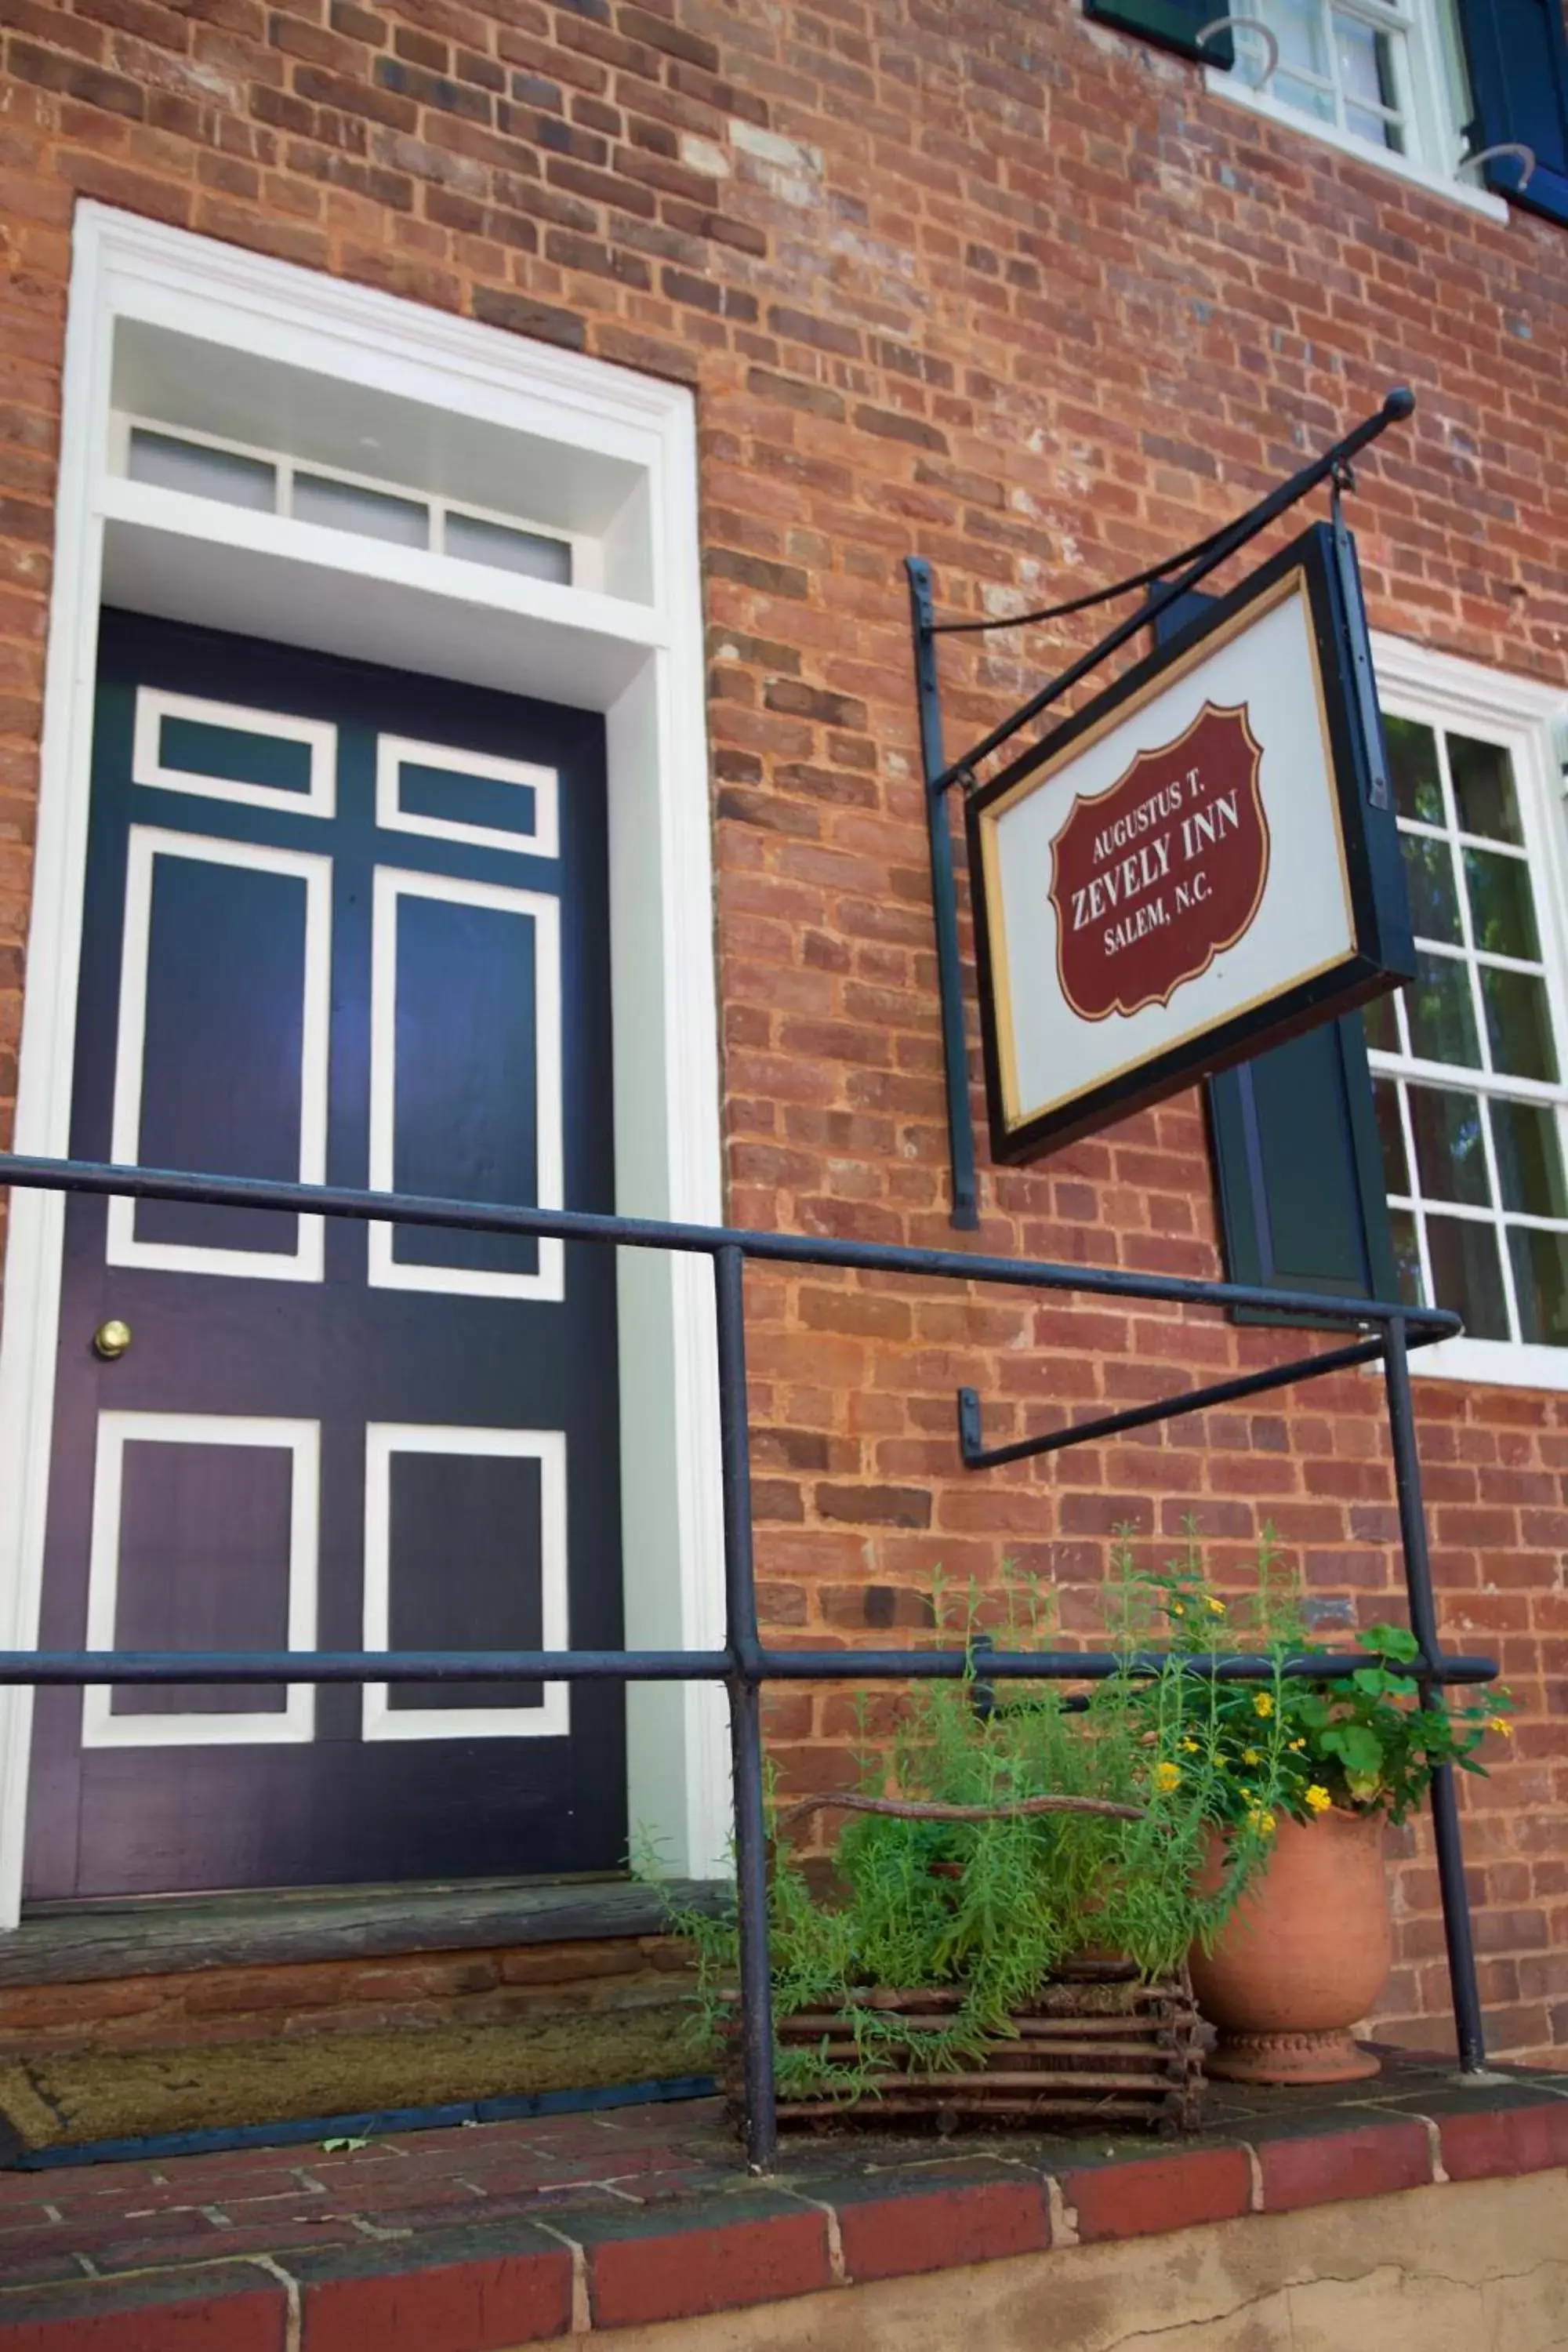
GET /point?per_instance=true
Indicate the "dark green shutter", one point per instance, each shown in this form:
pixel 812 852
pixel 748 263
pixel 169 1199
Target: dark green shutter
pixel 1518 54
pixel 1173 24
pixel 1297 1160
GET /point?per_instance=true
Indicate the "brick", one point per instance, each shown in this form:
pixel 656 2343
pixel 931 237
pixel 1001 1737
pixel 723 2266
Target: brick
pixel 895 2236
pixel 485 2305
pixel 1325 2168
pixel 1490 2144
pixel 634 2281
pixel 519 316
pixel 220 2309
pixel 1151 2194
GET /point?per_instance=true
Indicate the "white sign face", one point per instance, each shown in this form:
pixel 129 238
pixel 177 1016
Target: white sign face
pixel 1177 865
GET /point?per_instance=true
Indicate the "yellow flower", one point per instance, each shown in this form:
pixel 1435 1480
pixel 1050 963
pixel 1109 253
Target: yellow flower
pixel 1177 1610
pixel 1216 1608
pixel 1250 1756
pixel 1297 1746
pixel 1264 1823
pixel 1501 1723
pixel 1189 1746
pixel 1263 1703
pixel 1166 1777
pixel 1318 1798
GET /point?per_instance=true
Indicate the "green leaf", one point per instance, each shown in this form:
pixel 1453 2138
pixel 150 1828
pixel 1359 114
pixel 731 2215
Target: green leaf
pixel 1392 1642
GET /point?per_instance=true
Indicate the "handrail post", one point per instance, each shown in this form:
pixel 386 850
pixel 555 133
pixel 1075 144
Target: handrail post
pixel 744 1686
pixel 1469 2031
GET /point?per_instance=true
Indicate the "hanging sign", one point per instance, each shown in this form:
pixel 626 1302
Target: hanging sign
pixel 1203 862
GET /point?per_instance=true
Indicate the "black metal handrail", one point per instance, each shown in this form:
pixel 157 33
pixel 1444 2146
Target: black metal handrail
pixel 745 1663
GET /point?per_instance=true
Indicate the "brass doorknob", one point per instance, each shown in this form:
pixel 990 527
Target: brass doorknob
pixel 111 1339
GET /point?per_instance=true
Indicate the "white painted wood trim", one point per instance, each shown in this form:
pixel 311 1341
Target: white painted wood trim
pixel 302 1440
pixel 379 1719
pixel 667 1061
pixel 145 845
pixel 387 1271
pixel 392 750
pixel 154 704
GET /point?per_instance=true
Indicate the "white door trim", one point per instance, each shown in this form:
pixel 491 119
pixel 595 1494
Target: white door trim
pixel 635 654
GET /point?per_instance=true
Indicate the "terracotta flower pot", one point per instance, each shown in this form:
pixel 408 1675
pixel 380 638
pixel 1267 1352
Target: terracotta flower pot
pixel 1302 1957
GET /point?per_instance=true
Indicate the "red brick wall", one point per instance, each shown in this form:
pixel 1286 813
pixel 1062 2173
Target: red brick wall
pixel 972 278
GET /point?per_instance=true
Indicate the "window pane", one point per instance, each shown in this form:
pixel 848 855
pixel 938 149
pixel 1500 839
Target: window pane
pixel 1306 96
pixel 1298 27
pixel 342 507
pixel 1450 1151
pixel 1433 894
pixel 1518 1023
pixel 1502 904
pixel 1441 1014
pixel 1529 1159
pixel 1382 1027
pixel 204 473
pixel 1366 67
pixel 1391 1135
pixel 1483 790
pixel 1413 765
pixel 1467 1274
pixel 1382 129
pixel 1407 1256
pixel 1540 1284
pixel 529 551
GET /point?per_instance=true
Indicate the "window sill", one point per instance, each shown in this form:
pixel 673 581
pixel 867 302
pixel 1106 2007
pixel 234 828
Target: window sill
pixel 1493 1364
pixel 1400 167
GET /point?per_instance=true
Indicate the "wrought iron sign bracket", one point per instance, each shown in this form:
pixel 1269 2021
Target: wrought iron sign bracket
pixel 940 775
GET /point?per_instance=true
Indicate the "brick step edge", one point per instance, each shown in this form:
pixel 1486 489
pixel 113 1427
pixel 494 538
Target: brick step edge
pixel 466 2292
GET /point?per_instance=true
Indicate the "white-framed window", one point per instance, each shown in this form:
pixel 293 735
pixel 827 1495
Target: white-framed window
pixel 1383 77
pixel 1470 1062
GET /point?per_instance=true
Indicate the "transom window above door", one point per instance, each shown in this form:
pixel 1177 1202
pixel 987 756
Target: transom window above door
pixel 203 465
pixel 1470 1061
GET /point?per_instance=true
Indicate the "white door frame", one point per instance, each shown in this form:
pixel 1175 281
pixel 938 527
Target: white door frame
pixel 624 447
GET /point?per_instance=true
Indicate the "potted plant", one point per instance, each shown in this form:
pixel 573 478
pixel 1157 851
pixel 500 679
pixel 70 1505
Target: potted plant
pixel 1315 1768
pixel 1003 1928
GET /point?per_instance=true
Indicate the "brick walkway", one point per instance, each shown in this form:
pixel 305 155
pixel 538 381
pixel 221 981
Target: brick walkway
pixel 501 2234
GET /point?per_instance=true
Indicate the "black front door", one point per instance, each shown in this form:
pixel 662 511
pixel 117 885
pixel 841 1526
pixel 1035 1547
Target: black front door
pixel 349 925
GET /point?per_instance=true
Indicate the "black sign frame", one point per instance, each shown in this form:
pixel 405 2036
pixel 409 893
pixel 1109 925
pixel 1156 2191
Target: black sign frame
pixel 1382 956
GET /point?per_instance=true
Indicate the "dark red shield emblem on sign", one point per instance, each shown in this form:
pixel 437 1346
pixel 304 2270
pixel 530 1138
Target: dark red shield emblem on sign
pixel 1156 875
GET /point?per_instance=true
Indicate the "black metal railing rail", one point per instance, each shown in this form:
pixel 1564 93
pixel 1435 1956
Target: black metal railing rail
pixel 745 1663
